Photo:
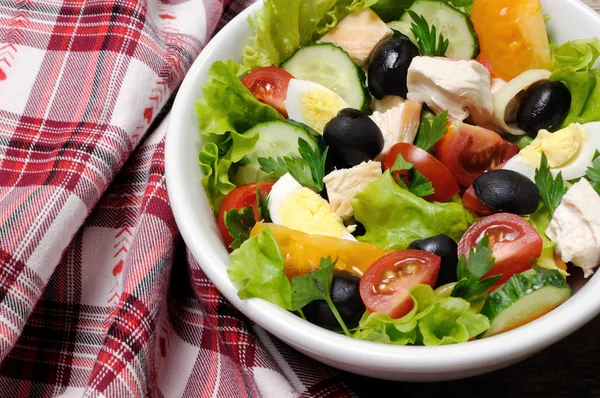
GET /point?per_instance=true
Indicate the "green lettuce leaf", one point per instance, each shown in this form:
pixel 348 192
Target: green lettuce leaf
pixel 394 217
pixel 282 26
pixel 578 54
pixel 227 105
pixel 585 94
pixel 225 112
pixel 433 321
pixel 540 219
pixel 258 268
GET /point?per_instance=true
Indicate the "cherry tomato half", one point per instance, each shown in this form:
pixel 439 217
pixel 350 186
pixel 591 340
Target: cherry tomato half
pixel 443 182
pixel 385 286
pixel 514 241
pixel 240 198
pixel 467 151
pixel 471 202
pixel 269 85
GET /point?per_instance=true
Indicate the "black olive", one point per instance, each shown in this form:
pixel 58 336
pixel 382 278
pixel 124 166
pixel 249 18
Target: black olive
pixel 352 138
pixel 544 105
pixel 444 247
pixel 389 66
pixel 508 191
pixel 345 294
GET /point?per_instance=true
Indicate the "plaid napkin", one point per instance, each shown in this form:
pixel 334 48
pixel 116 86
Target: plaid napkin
pixel 98 295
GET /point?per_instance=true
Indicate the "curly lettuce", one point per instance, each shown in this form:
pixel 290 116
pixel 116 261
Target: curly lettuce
pixel 433 321
pixel 282 26
pixel 573 64
pixel 257 266
pixel 540 219
pixel 393 217
pixel 225 112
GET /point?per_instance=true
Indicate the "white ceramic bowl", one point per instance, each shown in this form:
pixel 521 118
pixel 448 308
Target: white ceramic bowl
pixel 570 19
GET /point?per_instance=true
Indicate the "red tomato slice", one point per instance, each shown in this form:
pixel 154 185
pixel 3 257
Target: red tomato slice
pixel 467 151
pixel 240 198
pixel 269 85
pixel 443 182
pixel 471 202
pixel 385 285
pixel 514 241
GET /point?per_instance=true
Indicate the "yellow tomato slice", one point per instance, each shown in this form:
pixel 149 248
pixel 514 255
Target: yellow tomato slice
pixel 302 252
pixel 512 36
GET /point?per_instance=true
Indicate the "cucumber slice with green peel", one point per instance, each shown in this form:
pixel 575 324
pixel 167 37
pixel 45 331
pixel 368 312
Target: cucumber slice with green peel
pixel 524 297
pixel 331 67
pixel 453 24
pixel 403 27
pixel 275 139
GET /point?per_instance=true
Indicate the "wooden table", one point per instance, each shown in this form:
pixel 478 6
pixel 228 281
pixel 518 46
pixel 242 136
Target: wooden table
pixel 570 368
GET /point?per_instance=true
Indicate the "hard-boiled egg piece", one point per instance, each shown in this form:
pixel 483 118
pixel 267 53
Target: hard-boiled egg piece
pixel 312 104
pixel 297 207
pixel 570 151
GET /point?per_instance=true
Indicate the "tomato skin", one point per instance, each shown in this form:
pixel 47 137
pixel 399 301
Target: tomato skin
pixel 443 182
pixel 269 85
pixel 383 291
pixel 514 241
pixel 240 198
pixel 471 202
pixel 467 151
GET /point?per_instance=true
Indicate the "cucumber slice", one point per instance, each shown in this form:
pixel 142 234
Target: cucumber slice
pixel 330 66
pixel 276 138
pixel 451 23
pixel 523 298
pixel 403 27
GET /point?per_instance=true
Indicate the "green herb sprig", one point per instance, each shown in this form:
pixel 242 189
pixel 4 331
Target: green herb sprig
pixel 551 189
pixel 418 184
pixel 428 41
pixel 469 285
pixel 431 130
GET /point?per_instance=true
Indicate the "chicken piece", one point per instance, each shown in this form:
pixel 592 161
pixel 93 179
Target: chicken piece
pixel 343 184
pixel 386 103
pixel 358 34
pixel 462 87
pixel 399 123
pixel 575 227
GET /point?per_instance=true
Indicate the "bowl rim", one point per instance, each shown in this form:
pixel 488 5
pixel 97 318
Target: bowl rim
pixel 311 339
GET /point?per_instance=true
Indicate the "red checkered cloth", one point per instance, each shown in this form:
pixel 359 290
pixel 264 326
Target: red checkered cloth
pixel 98 296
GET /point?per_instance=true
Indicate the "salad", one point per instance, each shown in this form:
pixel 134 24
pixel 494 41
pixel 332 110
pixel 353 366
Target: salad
pixel 406 171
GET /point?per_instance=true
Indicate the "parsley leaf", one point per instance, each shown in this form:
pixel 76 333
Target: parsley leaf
pixel 239 223
pixel 262 201
pixel 551 189
pixel 308 169
pixel 418 184
pixel 316 285
pixel 469 285
pixel 431 130
pixel 593 173
pixel 429 43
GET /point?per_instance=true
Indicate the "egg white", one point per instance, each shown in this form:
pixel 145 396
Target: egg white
pixel 297 89
pixel 280 191
pixel 575 167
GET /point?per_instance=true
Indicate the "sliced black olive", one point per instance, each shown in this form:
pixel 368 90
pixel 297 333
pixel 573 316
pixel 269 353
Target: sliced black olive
pixel 352 138
pixel 507 191
pixel 345 294
pixel 444 247
pixel 389 66
pixel 544 105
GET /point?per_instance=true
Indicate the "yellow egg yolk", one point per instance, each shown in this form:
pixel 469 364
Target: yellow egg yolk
pixel 318 107
pixel 559 147
pixel 306 211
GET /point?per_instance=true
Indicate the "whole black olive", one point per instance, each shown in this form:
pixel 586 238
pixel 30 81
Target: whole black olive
pixel 508 191
pixel 389 67
pixel 444 247
pixel 345 294
pixel 352 138
pixel 544 105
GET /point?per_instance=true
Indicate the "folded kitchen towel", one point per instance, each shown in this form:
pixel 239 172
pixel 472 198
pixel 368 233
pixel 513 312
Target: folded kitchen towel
pixel 98 295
